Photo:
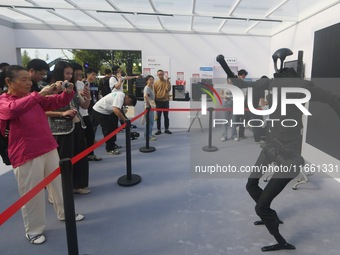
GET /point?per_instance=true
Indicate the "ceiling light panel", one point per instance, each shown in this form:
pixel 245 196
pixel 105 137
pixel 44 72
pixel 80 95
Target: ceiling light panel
pixel 218 7
pixel 146 21
pixel 50 3
pixel 15 2
pixel 235 26
pixel 79 17
pixel 44 15
pixel 174 7
pixel 16 17
pixel 206 24
pixel 305 7
pixel 251 8
pixel 114 20
pixel 133 5
pixel 181 23
pixel 93 5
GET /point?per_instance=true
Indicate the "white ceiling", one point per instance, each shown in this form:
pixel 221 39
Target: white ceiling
pixel 238 17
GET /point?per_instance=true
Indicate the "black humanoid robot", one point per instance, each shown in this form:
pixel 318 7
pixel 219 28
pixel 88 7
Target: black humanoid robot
pixel 283 147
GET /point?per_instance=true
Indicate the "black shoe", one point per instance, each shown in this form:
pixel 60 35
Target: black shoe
pixel 277 247
pixel 167 131
pixel 117 147
pixel 158 132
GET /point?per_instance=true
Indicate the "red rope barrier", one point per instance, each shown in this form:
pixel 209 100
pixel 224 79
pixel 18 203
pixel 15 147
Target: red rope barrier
pixel 174 109
pixel 10 211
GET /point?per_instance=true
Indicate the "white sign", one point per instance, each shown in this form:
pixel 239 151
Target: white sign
pixel 154 63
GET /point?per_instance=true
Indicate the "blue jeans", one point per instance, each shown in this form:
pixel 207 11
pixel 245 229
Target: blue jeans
pixel 151 121
pixel 228 116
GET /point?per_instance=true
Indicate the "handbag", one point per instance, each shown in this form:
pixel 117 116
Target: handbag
pixel 4 146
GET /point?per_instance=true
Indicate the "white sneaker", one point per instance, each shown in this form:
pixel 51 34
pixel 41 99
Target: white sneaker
pixel 223 139
pixel 36 239
pixel 79 217
pixel 113 152
pixel 82 191
pixel 236 139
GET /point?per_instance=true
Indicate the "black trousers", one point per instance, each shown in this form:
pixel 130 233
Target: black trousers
pixel 71 145
pixel 89 133
pixel 162 104
pixel 109 123
pixel 289 162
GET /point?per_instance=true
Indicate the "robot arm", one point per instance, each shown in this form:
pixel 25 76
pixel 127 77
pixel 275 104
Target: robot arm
pixel 261 84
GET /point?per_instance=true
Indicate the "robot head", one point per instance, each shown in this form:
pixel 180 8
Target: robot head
pixel 281 54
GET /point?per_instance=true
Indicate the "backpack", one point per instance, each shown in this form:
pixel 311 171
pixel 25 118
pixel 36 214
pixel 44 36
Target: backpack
pixel 4 146
pixel 105 86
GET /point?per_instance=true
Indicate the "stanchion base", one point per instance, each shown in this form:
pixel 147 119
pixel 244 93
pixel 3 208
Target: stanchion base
pixel 209 148
pixel 123 181
pixel 145 149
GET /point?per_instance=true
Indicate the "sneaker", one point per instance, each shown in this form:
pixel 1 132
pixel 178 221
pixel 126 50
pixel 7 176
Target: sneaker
pixel 78 216
pixel 93 158
pixel 83 191
pixel 236 139
pixel 152 138
pixel 167 131
pixel 36 239
pixel 113 152
pixel 158 132
pixel 223 139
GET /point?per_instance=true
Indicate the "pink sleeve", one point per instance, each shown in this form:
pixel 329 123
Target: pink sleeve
pixel 50 103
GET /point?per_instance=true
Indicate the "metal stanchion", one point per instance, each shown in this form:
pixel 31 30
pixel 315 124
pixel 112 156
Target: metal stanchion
pixel 70 220
pixel 128 179
pixel 147 148
pixel 209 147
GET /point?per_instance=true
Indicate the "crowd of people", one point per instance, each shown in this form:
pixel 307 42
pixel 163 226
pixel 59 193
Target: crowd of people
pixel 65 107
pixel 71 104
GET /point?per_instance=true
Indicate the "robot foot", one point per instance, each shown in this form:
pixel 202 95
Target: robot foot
pixel 277 247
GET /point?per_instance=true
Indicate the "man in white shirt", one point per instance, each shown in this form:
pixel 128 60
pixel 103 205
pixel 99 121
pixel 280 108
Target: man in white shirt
pixel 117 80
pixel 107 111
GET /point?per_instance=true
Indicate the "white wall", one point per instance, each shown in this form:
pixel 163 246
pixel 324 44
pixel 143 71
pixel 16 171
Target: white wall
pixel 301 37
pixel 187 51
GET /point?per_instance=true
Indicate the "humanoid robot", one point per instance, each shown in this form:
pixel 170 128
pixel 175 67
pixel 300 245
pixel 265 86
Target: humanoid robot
pixel 283 146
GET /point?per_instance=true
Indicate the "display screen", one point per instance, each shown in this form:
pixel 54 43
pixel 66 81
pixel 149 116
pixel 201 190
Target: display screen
pixel 324 124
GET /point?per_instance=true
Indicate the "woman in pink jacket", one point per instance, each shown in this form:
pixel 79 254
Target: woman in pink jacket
pixel 32 149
